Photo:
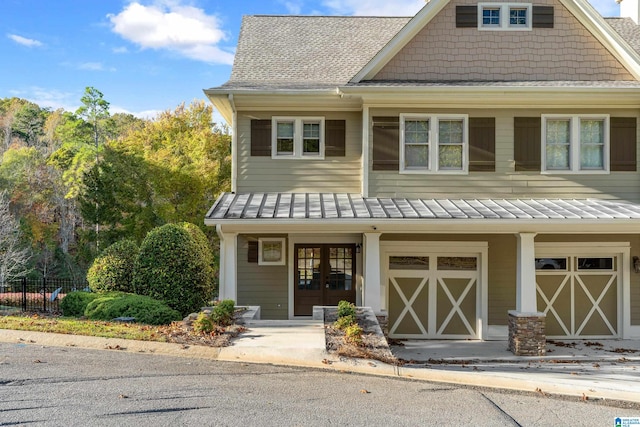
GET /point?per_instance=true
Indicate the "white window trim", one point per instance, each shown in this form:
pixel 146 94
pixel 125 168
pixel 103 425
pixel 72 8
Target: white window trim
pixel 283 250
pixel 574 145
pixel 297 137
pixel 504 16
pixel 434 167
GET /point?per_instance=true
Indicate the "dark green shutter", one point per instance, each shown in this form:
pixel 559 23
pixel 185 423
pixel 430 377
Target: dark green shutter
pixel 334 138
pixel 386 142
pixel 466 16
pixel 252 252
pixel 542 17
pixel 482 144
pixel 623 144
pixel 527 140
pixel 261 137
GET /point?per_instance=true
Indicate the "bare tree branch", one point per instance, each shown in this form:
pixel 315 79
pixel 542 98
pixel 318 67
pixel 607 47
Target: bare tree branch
pixel 14 257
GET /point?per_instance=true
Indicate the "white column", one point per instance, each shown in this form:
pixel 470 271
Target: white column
pixel 228 268
pixel 372 283
pixel 526 274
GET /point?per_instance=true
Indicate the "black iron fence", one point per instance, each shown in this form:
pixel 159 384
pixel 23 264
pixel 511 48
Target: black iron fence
pixel 43 295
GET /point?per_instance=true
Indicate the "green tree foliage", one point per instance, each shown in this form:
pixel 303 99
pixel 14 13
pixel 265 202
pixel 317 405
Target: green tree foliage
pixel 64 171
pixel 112 270
pixel 163 171
pixel 172 268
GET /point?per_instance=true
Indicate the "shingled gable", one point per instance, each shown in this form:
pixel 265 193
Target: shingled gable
pixel 624 57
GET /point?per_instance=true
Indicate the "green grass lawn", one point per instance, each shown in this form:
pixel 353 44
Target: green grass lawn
pixel 73 326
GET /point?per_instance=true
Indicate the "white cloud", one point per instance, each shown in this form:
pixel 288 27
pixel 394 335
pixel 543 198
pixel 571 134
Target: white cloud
pixel 169 25
pixel 24 41
pixel 375 7
pixel 294 7
pixel 146 114
pixel 91 66
pixel 49 98
pixel 120 49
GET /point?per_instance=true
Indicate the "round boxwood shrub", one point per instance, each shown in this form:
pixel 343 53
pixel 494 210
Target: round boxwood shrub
pixel 112 270
pixel 172 267
pixel 74 303
pixel 144 309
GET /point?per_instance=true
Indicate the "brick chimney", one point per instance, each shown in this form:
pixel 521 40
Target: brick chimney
pixel 629 9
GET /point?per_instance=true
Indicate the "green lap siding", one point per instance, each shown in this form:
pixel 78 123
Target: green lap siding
pixel 265 286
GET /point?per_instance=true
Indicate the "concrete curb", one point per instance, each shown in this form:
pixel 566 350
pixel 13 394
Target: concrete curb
pixel 320 359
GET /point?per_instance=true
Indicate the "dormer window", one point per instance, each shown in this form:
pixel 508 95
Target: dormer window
pixel 504 16
pixel 518 17
pixel 491 17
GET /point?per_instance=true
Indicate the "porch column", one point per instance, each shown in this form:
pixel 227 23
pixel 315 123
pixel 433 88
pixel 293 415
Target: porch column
pixel 526 274
pixel 372 285
pixel 527 335
pixel 228 269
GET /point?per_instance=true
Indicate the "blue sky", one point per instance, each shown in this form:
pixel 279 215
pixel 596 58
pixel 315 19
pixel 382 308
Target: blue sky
pixel 145 56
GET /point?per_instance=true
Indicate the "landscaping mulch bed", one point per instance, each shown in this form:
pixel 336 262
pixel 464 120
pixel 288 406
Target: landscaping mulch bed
pixel 374 345
pixel 178 333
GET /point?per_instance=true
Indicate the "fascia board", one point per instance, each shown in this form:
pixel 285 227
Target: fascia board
pixel 496 97
pixel 404 36
pixel 223 105
pixel 453 226
pixel 597 26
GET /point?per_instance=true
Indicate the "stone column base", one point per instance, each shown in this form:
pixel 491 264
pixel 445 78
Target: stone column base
pixel 527 335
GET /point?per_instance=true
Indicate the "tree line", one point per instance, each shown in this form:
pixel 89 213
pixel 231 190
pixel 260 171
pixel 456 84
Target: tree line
pixel 73 183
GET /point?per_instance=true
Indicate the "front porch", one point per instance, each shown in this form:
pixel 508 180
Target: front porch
pixel 456 274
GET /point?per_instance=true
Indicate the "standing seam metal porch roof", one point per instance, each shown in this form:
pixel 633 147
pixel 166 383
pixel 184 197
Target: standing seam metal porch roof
pixel 337 206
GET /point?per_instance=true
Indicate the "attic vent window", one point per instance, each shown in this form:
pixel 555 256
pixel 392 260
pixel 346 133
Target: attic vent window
pixel 504 16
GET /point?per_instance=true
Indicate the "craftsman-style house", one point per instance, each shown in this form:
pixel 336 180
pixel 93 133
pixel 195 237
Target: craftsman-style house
pixel 470 172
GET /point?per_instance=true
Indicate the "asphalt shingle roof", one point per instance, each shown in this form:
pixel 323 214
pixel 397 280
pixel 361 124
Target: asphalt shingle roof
pixel 307 51
pixel 336 206
pixel 323 52
pixel 628 29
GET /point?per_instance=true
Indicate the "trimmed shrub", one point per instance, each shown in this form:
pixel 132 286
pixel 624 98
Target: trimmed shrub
pixel 345 308
pixel 75 303
pixel 222 313
pixel 112 270
pixel 353 334
pixel 144 309
pixel 172 267
pixel 203 324
pixel 344 322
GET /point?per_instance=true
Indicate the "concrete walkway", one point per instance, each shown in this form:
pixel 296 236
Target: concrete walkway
pixel 610 371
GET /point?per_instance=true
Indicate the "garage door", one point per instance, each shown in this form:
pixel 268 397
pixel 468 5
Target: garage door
pixel 579 295
pixel 433 296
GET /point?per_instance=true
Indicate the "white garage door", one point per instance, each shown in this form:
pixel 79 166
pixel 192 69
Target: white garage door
pixel 580 295
pixel 433 296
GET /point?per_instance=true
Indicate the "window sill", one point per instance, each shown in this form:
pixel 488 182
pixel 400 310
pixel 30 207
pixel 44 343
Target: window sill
pixel 580 172
pixel 427 172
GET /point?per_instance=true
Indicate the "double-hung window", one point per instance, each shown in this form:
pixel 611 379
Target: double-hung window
pixel 433 143
pixel 575 144
pixel 298 137
pixel 504 16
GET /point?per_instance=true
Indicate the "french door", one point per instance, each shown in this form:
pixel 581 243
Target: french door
pixel 324 275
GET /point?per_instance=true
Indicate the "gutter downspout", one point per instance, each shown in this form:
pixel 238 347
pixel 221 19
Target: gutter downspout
pixel 234 145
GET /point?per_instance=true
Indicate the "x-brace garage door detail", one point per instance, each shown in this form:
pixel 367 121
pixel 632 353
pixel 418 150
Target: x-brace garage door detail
pixel 433 296
pixel 579 295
